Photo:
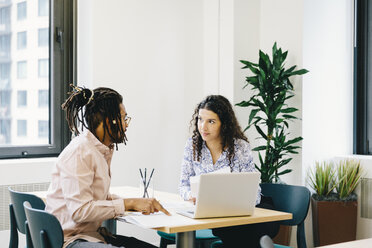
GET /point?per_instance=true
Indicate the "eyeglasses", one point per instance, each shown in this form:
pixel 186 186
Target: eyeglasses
pixel 127 120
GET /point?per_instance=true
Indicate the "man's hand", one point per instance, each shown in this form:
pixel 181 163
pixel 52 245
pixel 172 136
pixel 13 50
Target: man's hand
pixel 144 205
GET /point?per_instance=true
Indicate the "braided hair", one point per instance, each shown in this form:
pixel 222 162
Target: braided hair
pixel 230 128
pixel 95 106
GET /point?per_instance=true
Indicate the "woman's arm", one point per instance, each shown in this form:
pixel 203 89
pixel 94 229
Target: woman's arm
pixel 245 162
pixel 187 170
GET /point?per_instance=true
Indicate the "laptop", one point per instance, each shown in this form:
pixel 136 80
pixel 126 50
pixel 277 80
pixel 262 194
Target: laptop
pixel 224 195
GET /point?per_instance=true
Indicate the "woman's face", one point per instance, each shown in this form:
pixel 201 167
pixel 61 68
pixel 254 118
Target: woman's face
pixel 209 125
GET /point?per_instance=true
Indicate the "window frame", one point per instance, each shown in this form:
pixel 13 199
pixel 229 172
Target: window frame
pixel 62 72
pixel 360 135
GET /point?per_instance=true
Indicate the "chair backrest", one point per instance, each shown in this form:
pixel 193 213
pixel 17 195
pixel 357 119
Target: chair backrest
pixel 45 229
pixel 16 200
pixel 18 217
pixel 292 199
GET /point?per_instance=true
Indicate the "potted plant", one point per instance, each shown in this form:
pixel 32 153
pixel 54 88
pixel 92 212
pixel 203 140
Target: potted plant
pixel 334 203
pixel 270 115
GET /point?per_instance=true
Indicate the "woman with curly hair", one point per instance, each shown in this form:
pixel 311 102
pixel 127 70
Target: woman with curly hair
pixel 79 191
pixel 218 143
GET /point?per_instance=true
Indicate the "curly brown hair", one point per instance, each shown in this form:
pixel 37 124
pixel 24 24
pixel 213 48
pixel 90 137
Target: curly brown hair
pixel 230 128
pixel 94 107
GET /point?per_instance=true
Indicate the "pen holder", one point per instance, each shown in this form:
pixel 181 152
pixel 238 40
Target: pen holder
pixel 146 184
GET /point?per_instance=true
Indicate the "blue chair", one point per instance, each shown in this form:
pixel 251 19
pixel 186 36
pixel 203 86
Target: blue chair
pixel 287 198
pixel 203 238
pixel 18 217
pixel 45 229
pixel 292 199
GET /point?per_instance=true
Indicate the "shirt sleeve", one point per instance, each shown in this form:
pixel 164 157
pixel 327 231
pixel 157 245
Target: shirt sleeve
pixel 187 170
pixel 245 162
pixel 77 176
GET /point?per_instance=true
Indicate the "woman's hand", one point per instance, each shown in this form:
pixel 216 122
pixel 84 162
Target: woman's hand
pixel 144 205
pixel 193 200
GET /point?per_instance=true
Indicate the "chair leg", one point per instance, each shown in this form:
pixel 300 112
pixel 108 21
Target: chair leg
pixel 165 242
pixel 13 243
pixel 28 236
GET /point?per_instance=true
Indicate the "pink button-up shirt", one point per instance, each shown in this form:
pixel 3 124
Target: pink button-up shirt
pixel 79 192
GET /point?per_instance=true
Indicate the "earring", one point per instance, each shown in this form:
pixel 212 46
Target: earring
pixel 114 122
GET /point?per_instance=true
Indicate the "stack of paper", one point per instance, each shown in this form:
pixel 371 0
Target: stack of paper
pixel 156 220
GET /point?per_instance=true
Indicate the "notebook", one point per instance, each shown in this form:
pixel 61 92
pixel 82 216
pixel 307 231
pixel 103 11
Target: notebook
pixel 224 195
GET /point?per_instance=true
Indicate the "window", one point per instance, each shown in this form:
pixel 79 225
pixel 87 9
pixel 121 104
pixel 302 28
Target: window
pixel 21 11
pixel 21 40
pixel 22 69
pixel 48 72
pixel 43 98
pixel 4 46
pixel 4 70
pixel 5 107
pixel 21 128
pixel 363 78
pixel 43 68
pixel 43 37
pixel 5 15
pixel 4 131
pixel 43 129
pixel 4 75
pixel 22 98
pixel 43 7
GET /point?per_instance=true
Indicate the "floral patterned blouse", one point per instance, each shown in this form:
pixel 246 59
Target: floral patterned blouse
pixel 242 162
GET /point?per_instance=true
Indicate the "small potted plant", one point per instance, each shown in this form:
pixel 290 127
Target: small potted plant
pixel 334 203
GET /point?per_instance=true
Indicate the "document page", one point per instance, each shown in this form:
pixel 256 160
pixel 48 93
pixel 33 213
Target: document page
pixel 159 219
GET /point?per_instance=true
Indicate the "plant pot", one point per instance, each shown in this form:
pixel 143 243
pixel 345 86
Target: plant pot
pixel 333 221
pixel 284 235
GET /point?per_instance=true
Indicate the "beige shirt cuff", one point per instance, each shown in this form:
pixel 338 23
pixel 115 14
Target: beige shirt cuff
pixel 119 206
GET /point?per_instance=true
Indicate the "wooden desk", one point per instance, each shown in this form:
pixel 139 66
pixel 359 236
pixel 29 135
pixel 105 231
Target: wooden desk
pixel 185 234
pixel 362 243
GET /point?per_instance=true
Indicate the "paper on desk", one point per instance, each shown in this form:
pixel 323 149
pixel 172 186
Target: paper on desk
pixel 194 181
pixel 156 220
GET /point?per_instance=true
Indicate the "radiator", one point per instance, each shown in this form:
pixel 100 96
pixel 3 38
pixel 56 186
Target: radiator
pixel 5 199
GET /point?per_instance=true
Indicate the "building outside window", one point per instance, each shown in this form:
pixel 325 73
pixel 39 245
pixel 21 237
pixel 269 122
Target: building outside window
pixel 43 7
pixel 43 98
pixel 21 11
pixel 21 128
pixel 5 15
pixel 43 37
pixel 22 98
pixel 21 40
pixel 5 131
pixel 4 46
pixel 43 129
pixel 43 68
pixel 22 69
pixel 4 75
pixel 26 26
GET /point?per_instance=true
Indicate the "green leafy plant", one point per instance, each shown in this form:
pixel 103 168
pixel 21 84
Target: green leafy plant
pixel 271 90
pixel 335 182
pixel 323 178
pixel 348 173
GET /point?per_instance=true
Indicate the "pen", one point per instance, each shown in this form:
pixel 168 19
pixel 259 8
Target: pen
pixel 148 182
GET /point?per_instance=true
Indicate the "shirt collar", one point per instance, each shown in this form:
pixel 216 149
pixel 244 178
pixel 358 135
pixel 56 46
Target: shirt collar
pixel 102 148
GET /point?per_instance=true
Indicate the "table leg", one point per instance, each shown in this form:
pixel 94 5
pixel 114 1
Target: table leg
pixel 185 239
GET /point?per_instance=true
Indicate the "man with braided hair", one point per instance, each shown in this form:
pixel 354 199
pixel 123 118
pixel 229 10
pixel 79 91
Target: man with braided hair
pixel 79 191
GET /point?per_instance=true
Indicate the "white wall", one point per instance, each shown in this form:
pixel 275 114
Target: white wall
pixel 327 124
pixel 152 53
